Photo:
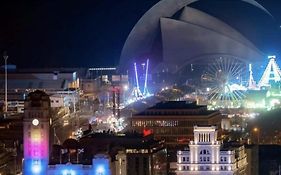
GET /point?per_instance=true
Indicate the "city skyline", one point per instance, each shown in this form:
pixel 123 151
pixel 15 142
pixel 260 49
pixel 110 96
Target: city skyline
pixel 140 87
pixel 89 34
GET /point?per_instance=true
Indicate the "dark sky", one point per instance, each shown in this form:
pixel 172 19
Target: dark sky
pixel 87 33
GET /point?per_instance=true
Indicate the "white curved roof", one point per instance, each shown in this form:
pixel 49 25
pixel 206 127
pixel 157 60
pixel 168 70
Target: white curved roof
pixel 191 23
pixel 200 18
pixel 185 41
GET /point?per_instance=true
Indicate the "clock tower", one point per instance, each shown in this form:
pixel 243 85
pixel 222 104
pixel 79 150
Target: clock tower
pixel 36 124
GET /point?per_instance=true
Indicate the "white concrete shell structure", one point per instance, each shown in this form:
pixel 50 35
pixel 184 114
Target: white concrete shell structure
pixel 194 34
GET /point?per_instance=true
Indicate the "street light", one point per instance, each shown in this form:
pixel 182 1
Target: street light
pixel 125 87
pixel 257 130
pixel 5 56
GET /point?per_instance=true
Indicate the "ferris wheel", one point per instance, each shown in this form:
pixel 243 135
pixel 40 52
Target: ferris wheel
pixel 223 80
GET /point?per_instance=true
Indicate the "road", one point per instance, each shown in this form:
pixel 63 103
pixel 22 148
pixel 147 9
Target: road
pixel 64 127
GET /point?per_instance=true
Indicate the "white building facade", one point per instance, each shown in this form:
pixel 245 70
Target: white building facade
pixel 208 156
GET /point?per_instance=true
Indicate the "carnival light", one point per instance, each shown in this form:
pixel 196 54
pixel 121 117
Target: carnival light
pixel 136 93
pixel 271 73
pixel 222 85
pixel 126 87
pixel 145 90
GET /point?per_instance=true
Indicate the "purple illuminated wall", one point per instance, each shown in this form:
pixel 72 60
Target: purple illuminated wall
pixel 36 148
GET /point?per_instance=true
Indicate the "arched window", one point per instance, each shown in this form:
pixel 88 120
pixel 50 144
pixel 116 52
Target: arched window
pixel 204 151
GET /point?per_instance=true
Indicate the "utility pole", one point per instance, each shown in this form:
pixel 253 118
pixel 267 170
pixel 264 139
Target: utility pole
pixel 5 56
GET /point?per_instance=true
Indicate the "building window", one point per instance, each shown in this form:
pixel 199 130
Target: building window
pixel 204 152
pixel 35 153
pixel 35 162
pixel 204 159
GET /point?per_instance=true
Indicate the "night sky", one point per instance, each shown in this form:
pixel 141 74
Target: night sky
pixel 90 33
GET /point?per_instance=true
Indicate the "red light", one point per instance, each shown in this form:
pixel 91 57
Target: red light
pixel 147 132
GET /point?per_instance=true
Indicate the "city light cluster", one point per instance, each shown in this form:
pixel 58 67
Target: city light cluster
pixel 225 88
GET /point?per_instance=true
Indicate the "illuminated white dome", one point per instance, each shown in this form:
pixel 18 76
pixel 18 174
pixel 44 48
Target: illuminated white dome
pixel 190 36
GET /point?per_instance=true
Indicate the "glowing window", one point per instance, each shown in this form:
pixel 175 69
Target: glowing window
pixel 36 136
pixel 68 172
pixel 36 167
